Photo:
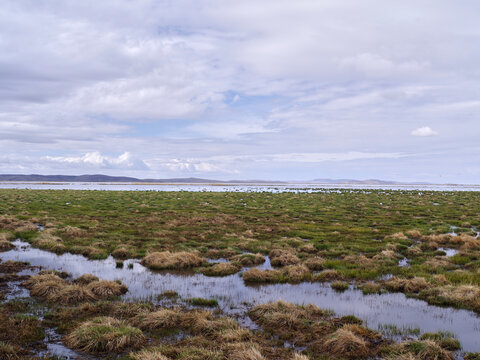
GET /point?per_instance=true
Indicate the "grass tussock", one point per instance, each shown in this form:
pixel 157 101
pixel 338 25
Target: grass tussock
pixel 414 285
pixel 41 278
pixel 461 296
pixel 261 276
pixel 172 261
pixel 292 274
pixel 148 354
pixel 427 350
pixel 315 263
pixel 105 334
pixel 121 253
pixel 106 289
pixel 248 259
pixel 160 319
pixel 72 294
pixel 86 279
pixel 221 269
pixel 280 257
pixel 250 353
pixel 344 343
pixel 328 275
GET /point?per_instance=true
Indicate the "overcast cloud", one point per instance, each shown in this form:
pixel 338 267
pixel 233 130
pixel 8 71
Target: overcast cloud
pixel 287 90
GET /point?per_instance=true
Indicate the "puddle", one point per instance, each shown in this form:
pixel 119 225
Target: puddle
pixel 57 349
pixel 403 262
pixel 216 261
pixel 234 297
pixel 448 252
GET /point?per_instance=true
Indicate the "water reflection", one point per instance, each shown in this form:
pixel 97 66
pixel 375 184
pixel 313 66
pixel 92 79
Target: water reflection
pixel 235 297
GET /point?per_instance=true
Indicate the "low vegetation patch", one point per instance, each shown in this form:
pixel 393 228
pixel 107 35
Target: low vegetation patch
pixel 172 261
pixel 105 334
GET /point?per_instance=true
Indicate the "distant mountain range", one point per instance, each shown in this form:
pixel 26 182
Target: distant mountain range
pixel 107 178
pixel 190 180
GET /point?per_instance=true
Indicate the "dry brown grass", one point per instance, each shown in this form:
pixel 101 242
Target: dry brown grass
pixel 37 279
pixel 249 259
pixel 235 335
pixel 298 356
pixel 148 354
pixel 250 353
pixel 344 343
pixel 46 288
pixel 279 257
pixel 414 234
pixel 308 248
pixel 160 319
pixel 168 260
pixel 385 254
pixel 6 236
pixel 106 289
pixel 72 294
pixel 328 275
pixel 296 273
pixel 439 262
pixel 261 276
pixel 73 231
pixel 6 245
pixel 121 253
pixel 397 236
pixel 284 316
pixel 414 285
pixel 221 269
pixel 86 279
pixel 467 296
pixel 104 334
pixel 315 263
pixel 428 350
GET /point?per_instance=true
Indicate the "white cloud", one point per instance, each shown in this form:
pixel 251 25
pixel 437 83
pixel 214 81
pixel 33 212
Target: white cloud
pixel 96 160
pixel 424 131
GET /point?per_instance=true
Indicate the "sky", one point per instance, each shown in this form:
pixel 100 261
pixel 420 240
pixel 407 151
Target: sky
pixel 251 89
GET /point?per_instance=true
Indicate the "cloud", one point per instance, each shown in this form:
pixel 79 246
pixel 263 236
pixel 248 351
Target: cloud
pixel 424 131
pixel 97 160
pixel 249 88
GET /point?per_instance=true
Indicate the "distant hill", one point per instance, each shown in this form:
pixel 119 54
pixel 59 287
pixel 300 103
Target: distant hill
pixel 107 178
pixel 190 180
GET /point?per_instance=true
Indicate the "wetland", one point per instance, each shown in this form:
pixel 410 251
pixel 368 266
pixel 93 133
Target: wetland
pixel 351 273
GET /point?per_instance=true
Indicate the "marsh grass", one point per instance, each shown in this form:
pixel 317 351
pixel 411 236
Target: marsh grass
pixel 203 302
pixel 167 260
pixel 105 334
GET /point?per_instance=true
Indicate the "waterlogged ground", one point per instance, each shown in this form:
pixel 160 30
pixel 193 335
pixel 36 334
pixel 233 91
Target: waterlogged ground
pixel 405 263
pixel 235 298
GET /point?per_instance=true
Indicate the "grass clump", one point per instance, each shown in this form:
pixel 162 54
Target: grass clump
pixel 86 279
pixel 221 269
pixel 414 285
pixel 203 302
pixel 339 285
pixel 461 296
pixel 248 259
pixel 106 289
pixel 167 260
pixel 280 257
pixel 72 294
pixel 104 334
pixel 445 340
pixel 148 354
pixel 344 343
pixel 427 350
pixel 9 352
